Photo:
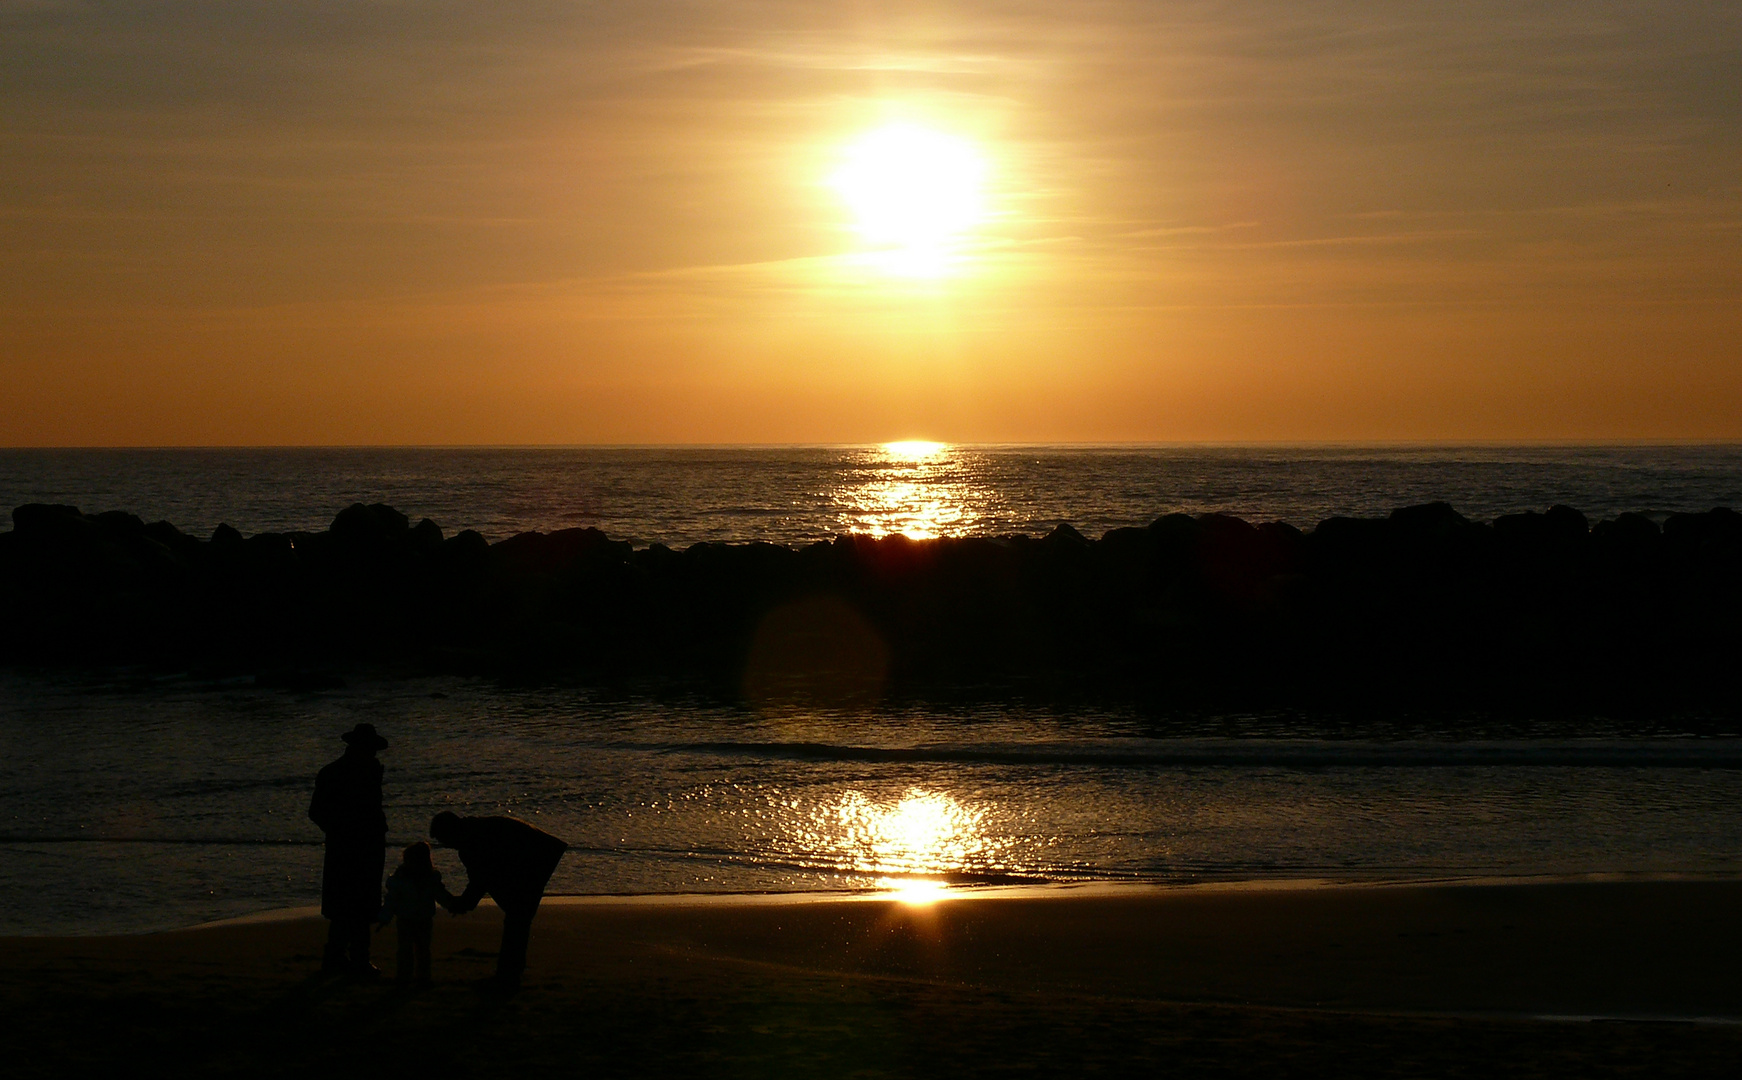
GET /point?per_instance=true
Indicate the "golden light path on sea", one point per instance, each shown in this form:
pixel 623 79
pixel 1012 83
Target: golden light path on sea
pixel 915 488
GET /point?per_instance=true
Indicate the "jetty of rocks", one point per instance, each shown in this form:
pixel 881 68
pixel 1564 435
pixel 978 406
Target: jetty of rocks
pixel 1423 607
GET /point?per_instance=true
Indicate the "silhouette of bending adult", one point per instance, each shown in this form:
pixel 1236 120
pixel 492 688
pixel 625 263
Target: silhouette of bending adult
pixel 512 862
pixel 347 807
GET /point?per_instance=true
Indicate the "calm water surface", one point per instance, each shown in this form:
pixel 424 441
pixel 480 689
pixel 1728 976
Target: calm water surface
pixel 128 809
pixel 797 495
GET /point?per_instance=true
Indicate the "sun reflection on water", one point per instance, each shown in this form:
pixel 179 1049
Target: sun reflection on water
pixel 924 833
pixel 914 891
pixel 920 489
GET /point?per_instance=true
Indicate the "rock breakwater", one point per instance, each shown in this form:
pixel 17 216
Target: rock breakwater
pixel 1423 607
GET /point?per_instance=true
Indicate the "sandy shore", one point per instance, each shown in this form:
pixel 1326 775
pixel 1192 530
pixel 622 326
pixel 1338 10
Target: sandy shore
pixel 1545 978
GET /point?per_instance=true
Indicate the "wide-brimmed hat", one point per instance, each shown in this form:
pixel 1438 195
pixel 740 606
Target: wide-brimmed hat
pixel 364 735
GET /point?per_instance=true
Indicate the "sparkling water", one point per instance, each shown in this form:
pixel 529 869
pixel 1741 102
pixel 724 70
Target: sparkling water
pixel 797 495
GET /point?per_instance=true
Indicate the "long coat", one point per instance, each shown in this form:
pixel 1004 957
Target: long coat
pixel 347 807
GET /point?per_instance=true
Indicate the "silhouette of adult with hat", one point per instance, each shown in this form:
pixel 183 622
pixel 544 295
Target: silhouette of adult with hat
pixel 512 862
pixel 347 807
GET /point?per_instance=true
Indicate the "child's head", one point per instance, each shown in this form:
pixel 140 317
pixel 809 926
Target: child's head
pixel 416 859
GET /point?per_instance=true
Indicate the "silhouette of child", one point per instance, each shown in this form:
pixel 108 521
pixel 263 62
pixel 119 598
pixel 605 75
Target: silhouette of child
pixel 413 891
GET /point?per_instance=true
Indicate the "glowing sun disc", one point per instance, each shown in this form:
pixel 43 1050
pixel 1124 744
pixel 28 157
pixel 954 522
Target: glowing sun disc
pixel 912 449
pixel 912 187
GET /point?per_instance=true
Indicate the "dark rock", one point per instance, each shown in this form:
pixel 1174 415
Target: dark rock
pixel 427 536
pixel 891 558
pixel 1127 540
pixel 1064 536
pixel 50 521
pixel 1630 540
pixel 120 523
pixel 1713 534
pixel 1345 543
pixel 1568 523
pixel 466 549
pixel 272 553
pixel 560 552
pixel 369 530
pixel 1436 519
pixel 1421 605
pixel 185 548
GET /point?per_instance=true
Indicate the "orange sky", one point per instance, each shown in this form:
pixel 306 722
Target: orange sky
pixel 403 222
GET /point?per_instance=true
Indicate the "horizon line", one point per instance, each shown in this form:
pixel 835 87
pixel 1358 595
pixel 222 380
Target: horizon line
pixel 1207 444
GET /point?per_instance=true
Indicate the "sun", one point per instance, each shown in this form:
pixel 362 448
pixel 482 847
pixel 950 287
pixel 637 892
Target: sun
pixel 914 192
pixel 913 449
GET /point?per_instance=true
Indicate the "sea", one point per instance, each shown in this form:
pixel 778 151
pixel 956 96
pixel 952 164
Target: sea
pixel 142 801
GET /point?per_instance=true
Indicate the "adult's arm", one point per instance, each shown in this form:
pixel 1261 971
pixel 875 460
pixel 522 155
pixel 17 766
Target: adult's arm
pixel 476 887
pixel 467 900
pixel 454 903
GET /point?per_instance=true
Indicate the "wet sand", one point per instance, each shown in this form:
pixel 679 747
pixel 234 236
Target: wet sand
pixel 1544 978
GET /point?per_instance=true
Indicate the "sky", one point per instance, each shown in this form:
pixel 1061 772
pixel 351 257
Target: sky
pixel 523 222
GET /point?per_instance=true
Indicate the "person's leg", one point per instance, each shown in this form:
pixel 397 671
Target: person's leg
pixel 517 929
pixel 337 942
pixel 407 958
pixel 357 935
pixel 516 932
pixel 421 942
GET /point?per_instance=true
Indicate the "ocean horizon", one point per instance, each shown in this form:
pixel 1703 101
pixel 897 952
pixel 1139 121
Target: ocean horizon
pixel 801 494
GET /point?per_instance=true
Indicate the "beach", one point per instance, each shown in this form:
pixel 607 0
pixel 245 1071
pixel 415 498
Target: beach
pixel 1520 977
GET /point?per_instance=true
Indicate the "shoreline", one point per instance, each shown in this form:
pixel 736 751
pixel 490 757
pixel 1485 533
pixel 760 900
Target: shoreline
pixel 1386 978
pixel 947 893
pixel 925 895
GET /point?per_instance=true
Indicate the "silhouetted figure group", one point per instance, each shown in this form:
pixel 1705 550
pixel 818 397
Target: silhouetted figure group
pixel 505 858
